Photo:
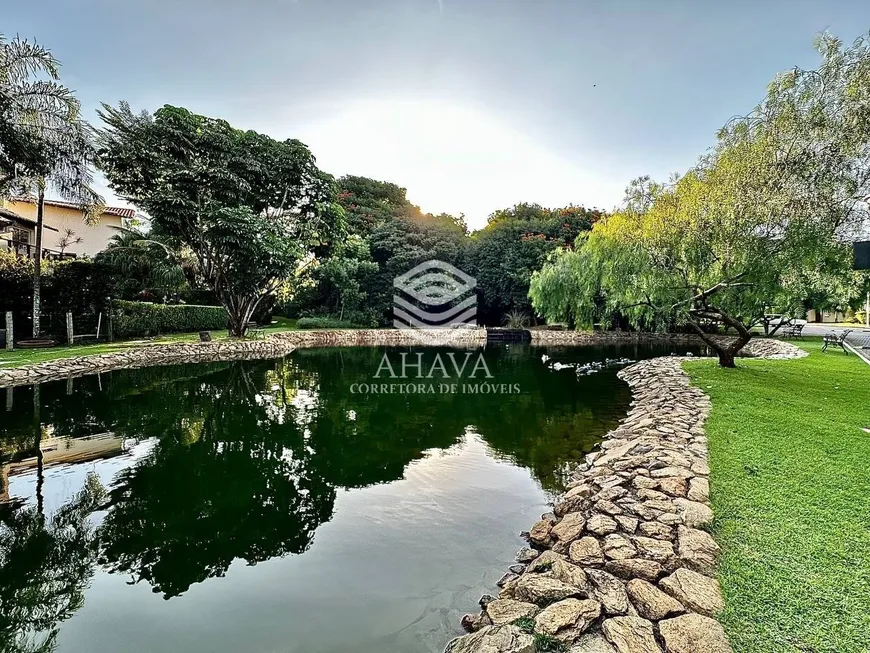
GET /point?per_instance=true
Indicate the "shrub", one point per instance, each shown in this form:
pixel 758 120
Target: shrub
pixel 80 286
pixel 16 283
pixel 134 319
pixel 525 624
pixel 323 323
pixel 517 320
pixel 201 297
pixel 547 644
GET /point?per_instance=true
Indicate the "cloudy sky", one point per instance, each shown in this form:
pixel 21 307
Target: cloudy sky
pixel 472 105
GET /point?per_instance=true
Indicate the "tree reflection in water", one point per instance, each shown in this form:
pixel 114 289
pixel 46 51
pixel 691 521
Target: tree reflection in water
pixel 45 566
pixel 247 459
pixel 232 482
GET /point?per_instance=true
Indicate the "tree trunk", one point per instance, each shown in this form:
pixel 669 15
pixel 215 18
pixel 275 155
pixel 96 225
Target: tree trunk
pixel 37 263
pixel 237 326
pixel 726 352
pixel 239 310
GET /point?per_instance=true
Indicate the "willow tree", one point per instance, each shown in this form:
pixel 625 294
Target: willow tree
pixel 750 225
pixel 250 208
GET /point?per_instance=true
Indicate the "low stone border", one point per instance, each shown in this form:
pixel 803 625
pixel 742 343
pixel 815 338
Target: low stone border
pixel 145 356
pixel 282 343
pixel 622 564
pixel 547 337
pixel 277 344
pixel 384 337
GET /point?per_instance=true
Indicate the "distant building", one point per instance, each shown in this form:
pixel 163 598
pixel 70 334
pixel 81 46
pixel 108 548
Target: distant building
pixel 18 234
pixel 826 316
pixel 18 228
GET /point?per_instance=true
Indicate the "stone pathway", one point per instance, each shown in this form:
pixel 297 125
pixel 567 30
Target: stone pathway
pixel 623 563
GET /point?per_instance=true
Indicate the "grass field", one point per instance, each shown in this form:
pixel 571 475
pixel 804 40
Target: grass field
pixel 791 492
pixel 28 356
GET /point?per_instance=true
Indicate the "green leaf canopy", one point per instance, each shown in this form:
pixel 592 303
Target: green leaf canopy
pixel 249 207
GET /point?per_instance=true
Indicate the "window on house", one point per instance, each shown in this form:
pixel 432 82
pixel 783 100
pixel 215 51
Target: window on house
pixel 20 235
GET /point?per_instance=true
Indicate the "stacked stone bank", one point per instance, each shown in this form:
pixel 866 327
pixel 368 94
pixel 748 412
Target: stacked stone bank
pixel 623 563
pixel 147 355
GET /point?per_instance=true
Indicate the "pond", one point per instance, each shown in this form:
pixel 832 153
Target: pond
pixel 283 505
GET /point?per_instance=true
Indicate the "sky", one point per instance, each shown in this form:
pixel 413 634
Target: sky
pixel 472 105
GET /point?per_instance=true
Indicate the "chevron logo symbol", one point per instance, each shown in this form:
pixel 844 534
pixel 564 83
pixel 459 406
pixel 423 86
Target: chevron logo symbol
pixel 434 295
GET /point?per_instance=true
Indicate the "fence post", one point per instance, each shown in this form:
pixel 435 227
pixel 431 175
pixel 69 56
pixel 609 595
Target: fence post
pixel 70 336
pixel 110 331
pixel 10 336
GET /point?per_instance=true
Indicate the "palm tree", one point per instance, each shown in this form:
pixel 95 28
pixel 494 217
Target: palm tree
pixel 41 124
pixel 151 259
pixel 24 110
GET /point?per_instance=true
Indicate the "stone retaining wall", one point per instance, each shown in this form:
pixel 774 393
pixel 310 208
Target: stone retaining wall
pixel 385 337
pixel 280 344
pixel 623 563
pixel 546 337
pixel 144 356
pixel 223 350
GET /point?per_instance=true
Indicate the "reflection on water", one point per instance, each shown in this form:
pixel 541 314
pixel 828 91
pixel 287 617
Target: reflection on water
pixel 234 469
pixel 45 566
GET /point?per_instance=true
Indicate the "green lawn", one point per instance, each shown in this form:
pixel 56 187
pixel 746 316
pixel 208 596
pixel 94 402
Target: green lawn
pixel 791 492
pixel 27 356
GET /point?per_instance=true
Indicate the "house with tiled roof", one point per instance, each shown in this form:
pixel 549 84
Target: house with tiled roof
pixel 64 231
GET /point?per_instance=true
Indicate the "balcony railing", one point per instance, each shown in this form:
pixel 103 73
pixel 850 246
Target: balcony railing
pixel 29 251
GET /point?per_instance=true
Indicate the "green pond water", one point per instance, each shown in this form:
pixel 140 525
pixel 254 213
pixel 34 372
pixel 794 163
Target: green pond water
pixel 279 505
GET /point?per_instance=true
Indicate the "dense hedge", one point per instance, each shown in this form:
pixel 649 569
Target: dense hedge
pixel 16 283
pixel 135 319
pixel 323 323
pixel 79 286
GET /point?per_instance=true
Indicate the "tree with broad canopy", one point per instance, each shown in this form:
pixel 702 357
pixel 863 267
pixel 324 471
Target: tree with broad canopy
pixel 764 219
pixel 250 208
